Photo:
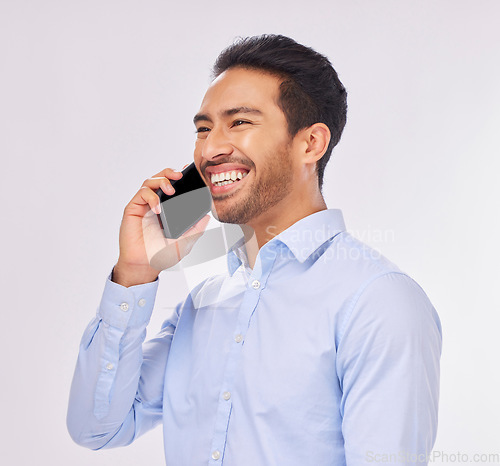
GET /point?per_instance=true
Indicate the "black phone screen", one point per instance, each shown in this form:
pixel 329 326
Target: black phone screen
pixel 190 202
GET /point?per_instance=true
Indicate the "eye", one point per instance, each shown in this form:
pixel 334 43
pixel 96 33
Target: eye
pixel 202 129
pixel 240 122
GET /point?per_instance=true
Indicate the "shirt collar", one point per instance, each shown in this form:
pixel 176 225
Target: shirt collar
pixel 302 238
pixel 236 256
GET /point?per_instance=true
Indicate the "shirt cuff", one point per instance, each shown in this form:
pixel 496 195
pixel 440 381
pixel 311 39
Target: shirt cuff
pixel 123 307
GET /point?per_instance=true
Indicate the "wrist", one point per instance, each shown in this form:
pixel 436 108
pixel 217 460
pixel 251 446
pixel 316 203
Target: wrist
pixel 127 275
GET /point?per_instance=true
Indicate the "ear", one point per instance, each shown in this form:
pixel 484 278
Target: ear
pixel 316 139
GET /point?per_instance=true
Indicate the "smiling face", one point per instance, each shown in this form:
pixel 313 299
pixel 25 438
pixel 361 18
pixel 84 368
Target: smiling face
pixel 243 149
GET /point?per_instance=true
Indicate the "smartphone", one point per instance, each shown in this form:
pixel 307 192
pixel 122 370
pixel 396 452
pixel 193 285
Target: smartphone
pixel 190 202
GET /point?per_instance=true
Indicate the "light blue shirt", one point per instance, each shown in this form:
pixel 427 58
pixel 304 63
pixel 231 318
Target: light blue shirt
pixel 325 354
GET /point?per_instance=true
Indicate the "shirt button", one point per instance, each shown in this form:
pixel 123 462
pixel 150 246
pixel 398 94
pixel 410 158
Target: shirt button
pixel 124 307
pixel 238 338
pixel 256 284
pixel 109 366
pixel 226 395
pixel 142 302
pixel 216 455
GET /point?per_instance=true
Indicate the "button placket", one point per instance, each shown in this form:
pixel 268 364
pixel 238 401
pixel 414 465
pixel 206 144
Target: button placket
pixel 252 288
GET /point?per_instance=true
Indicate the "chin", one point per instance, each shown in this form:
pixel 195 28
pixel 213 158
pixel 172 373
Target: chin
pixel 227 215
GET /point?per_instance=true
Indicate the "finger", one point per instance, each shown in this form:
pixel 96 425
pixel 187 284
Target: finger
pixel 159 182
pixel 167 187
pixel 162 180
pixel 146 195
pixel 169 173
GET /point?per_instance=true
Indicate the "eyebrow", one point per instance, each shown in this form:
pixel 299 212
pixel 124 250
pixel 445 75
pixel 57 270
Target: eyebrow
pixel 226 113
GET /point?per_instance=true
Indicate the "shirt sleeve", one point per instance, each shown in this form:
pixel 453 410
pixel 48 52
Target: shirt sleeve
pixel 117 388
pixel 388 368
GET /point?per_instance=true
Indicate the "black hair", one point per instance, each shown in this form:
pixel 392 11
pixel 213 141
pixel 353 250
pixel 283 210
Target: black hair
pixel 310 92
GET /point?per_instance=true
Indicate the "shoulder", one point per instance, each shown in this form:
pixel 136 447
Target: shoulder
pixel 393 310
pixel 357 257
pixel 376 289
pixel 348 266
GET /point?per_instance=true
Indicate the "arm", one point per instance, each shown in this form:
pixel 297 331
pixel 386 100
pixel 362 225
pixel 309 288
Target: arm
pixel 388 367
pixel 117 389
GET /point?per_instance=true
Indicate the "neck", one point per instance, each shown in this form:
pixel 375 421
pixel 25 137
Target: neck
pixel 277 219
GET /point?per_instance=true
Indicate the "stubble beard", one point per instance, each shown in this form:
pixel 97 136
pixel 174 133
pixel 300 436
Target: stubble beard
pixel 273 186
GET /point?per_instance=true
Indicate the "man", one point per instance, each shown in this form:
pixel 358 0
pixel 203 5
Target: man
pixel 312 349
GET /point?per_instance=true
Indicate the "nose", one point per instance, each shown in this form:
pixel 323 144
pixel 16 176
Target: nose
pixel 216 144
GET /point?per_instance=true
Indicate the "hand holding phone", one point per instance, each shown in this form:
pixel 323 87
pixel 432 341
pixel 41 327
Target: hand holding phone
pixel 144 249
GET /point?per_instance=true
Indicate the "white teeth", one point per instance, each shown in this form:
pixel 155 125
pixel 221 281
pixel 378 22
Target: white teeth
pixel 221 179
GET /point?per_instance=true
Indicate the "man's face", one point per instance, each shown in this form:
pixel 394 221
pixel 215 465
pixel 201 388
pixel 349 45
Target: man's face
pixel 242 135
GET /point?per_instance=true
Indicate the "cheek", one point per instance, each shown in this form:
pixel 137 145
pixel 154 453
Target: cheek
pixel 198 146
pixel 255 144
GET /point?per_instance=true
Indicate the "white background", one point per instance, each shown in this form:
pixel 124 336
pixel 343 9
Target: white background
pixel 96 96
